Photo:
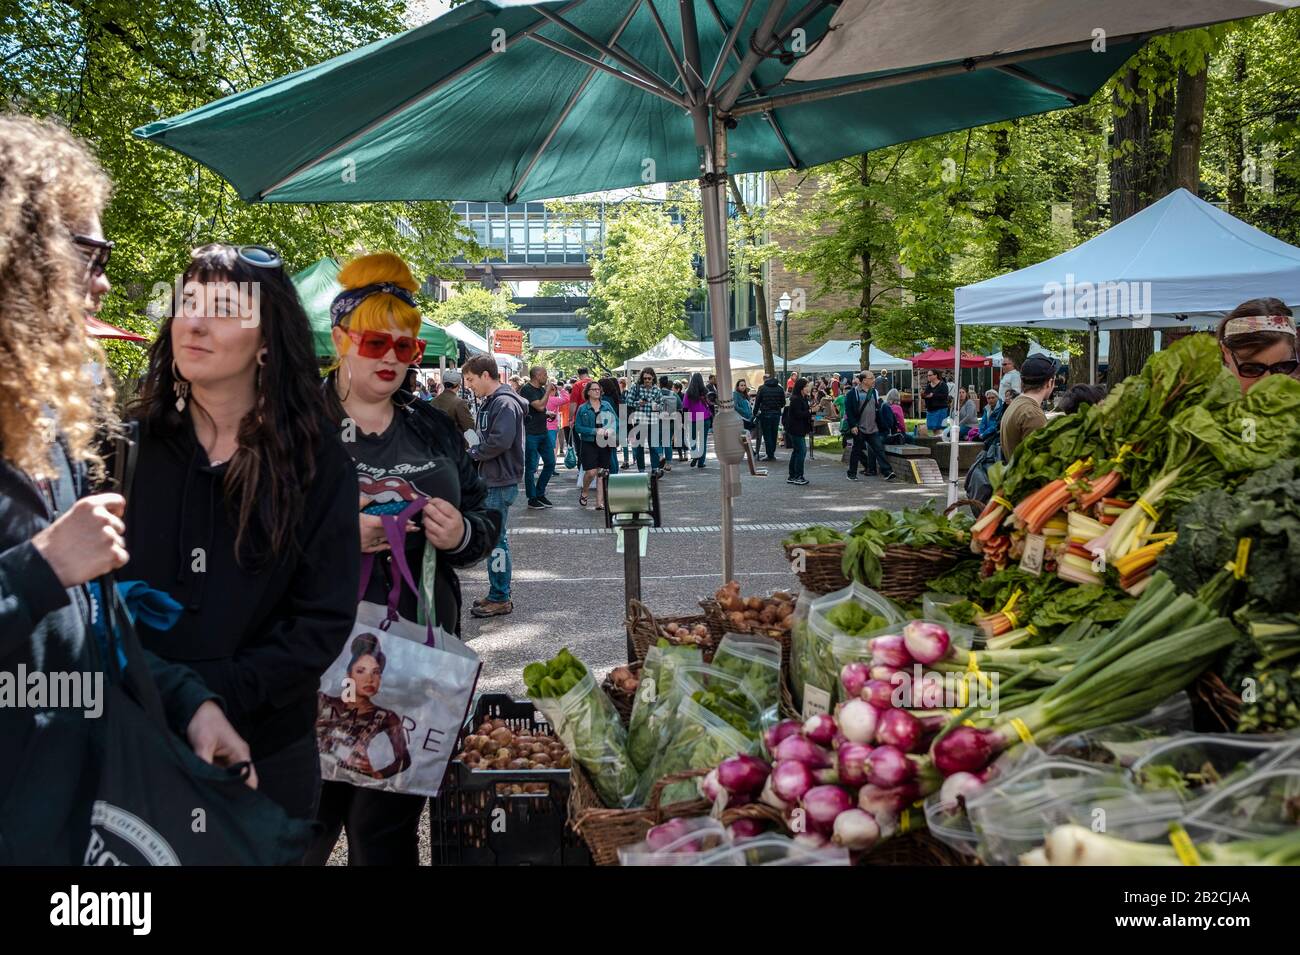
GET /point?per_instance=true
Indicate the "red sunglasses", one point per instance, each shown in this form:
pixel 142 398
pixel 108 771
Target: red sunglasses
pixel 376 345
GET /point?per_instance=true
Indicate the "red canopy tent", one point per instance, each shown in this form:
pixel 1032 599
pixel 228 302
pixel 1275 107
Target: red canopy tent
pixel 97 329
pixel 935 358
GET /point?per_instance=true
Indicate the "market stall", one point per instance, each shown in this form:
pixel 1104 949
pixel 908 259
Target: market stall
pixel 675 355
pixel 1117 629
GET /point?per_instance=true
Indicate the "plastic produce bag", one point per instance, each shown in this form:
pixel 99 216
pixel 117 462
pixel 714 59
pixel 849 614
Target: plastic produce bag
pixel 935 607
pixel 755 660
pixel 1192 763
pixel 1121 744
pixel 834 633
pixel 652 708
pixel 773 849
pixel 1261 803
pixel 586 722
pixel 697 835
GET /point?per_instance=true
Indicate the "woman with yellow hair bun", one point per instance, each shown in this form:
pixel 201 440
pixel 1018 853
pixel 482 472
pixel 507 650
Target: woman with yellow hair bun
pixel 403 449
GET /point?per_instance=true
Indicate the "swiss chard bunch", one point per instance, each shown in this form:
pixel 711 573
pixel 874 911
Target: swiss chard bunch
pixel 556 677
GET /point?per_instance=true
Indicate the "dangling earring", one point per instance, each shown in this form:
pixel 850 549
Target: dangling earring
pixel 343 365
pixel 180 386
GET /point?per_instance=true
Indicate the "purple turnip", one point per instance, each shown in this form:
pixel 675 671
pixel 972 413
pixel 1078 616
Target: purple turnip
pixel 966 749
pixel 802 751
pixel 790 780
pixel 957 788
pixel 890 651
pixel 710 788
pixel 858 720
pixel 853 677
pixel 744 829
pixel 742 774
pixel 925 641
pixel 662 835
pixel 879 693
pixel 774 734
pixel 899 728
pixel 889 766
pixel 820 729
pixel 822 804
pixel 851 760
pixel 855 829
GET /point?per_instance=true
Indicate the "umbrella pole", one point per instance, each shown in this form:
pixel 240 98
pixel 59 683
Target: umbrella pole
pixel 1092 353
pixel 952 451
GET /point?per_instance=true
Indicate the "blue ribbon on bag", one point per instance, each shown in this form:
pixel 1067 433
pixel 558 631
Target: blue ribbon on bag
pixel 155 608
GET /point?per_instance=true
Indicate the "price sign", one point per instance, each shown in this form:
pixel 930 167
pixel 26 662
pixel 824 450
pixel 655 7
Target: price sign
pixel 1031 562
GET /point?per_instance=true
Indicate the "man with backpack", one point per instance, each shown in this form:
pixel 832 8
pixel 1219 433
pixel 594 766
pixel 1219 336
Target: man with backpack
pixel 769 402
pixel 867 422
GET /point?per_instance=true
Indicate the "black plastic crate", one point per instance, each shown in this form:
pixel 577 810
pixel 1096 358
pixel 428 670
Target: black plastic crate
pixel 478 822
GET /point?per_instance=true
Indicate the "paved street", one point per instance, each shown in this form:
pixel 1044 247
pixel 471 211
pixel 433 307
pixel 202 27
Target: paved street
pixel 568 578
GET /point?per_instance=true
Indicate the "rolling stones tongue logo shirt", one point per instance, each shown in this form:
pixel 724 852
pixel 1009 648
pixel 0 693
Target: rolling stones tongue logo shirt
pixel 393 469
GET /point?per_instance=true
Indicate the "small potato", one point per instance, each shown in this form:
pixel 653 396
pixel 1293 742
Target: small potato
pixel 501 735
pixel 753 603
pixel 503 753
pixel 564 762
pixel 542 758
pixel 501 762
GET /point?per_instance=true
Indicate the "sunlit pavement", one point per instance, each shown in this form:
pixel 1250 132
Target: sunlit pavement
pixel 568 578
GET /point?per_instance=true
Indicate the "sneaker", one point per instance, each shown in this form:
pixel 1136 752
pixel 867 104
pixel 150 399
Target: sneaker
pixel 478 602
pixel 489 609
pixel 891 476
pixel 851 477
pixel 535 503
pixel 800 481
pixel 545 502
pixel 791 480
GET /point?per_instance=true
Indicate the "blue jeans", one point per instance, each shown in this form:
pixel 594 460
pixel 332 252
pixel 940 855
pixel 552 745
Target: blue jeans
pixel 535 446
pixel 797 456
pixel 700 441
pixel 639 453
pixel 769 421
pixel 499 499
pixel 934 419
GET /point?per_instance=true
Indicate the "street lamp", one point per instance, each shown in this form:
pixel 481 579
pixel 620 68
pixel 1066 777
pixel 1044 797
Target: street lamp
pixel 781 315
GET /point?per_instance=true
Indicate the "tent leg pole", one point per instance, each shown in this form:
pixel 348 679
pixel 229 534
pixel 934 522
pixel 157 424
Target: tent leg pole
pixel 955 433
pixel 1092 353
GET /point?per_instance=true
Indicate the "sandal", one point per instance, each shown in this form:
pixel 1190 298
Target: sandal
pixel 582 500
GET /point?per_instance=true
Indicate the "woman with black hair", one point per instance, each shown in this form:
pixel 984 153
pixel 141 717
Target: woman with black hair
pixel 347 724
pixel 798 425
pixel 244 509
pixel 612 393
pixel 696 409
pixel 1258 338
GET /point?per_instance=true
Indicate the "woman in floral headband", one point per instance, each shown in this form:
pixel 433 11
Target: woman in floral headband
pixel 1258 338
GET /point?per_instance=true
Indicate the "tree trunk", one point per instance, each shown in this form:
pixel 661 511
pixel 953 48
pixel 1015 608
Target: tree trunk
pixel 760 292
pixel 1236 132
pixel 1004 206
pixel 1078 373
pixel 1189 117
pixel 864 337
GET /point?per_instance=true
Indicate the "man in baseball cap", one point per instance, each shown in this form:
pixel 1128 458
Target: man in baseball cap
pixel 450 403
pixel 1025 413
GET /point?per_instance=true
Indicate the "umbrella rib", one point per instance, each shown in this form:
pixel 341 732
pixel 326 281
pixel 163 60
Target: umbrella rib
pixel 568 108
pixel 618 54
pixel 764 34
pixel 728 44
pixel 933 72
pixel 672 51
pixel 773 122
pixel 1022 74
pixel 406 104
pixel 665 93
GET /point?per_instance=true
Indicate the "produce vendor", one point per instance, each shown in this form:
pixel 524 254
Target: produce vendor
pixel 1258 338
pixel 1025 412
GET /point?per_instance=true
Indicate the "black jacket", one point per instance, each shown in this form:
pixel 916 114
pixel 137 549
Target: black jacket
pixel 769 398
pixel 260 636
pixel 47 782
pixel 800 420
pixel 438 432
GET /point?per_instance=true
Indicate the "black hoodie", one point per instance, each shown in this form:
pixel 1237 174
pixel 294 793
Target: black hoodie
pixel 260 636
pixel 770 398
pixel 48 782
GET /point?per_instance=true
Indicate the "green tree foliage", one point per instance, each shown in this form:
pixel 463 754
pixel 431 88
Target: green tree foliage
pixel 108 66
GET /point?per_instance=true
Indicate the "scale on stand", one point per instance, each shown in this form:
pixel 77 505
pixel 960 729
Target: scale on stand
pixel 631 509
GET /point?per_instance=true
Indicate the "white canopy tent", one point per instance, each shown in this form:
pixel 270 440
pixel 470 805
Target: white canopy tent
pixel 846 355
pixel 750 352
pixel 675 355
pixel 1179 263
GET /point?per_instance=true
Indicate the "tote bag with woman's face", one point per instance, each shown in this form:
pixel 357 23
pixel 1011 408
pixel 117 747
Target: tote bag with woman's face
pixel 390 708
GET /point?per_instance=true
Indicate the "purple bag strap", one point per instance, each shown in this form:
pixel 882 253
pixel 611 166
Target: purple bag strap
pixel 394 525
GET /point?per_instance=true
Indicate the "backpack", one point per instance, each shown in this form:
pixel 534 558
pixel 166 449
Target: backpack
pixel 885 420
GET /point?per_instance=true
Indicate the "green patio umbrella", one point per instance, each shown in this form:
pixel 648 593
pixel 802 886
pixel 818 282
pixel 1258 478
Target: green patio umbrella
pixel 318 284
pixel 504 100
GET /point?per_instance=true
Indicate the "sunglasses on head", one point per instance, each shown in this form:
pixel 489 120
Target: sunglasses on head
pixel 258 256
pixel 376 345
pixel 96 251
pixel 1257 369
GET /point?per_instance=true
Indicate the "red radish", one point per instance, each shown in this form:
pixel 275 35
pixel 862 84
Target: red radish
pixel 966 749
pixel 928 692
pixel 855 829
pixel 851 760
pixel 790 780
pixel 744 829
pixel 774 734
pixel 879 693
pixel 927 642
pixel 858 720
pixel 881 672
pixel 710 788
pixel 889 766
pixel 853 677
pixel 886 803
pixel 822 804
pixel 890 651
pixel 802 751
pixel 820 729
pixel 957 788
pixel 899 728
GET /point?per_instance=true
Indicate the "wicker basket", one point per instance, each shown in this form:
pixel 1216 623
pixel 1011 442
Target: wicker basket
pixel 916 848
pixel 906 570
pixel 622 700
pixel 607 830
pixel 718 620
pixel 645 629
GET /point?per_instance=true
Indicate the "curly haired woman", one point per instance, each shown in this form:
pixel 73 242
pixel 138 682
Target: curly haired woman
pixel 53 538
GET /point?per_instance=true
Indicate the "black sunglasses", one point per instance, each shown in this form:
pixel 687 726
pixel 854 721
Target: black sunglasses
pixel 97 253
pixel 1257 369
